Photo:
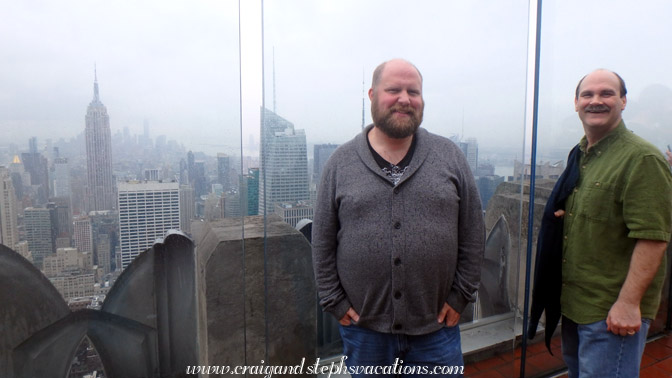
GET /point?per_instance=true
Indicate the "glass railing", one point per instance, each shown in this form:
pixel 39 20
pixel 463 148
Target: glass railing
pixel 237 108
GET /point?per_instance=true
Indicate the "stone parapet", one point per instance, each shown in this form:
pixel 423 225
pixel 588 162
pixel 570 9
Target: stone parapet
pixel 256 292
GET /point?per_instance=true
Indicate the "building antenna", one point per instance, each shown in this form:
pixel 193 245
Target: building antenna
pixel 274 111
pixel 363 98
pixel 96 97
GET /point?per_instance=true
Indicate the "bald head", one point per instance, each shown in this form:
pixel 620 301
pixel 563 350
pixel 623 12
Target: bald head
pixel 623 91
pixel 378 72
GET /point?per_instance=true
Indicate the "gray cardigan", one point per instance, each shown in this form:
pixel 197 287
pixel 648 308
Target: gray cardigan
pixel 397 253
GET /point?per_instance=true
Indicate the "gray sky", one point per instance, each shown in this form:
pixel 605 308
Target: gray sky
pixel 175 63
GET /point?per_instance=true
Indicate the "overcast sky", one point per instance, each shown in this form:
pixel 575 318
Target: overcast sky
pixel 175 63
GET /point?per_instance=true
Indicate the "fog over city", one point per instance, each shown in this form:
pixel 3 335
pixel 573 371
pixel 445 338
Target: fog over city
pixel 176 65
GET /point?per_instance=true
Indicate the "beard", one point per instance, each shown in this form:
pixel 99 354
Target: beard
pixel 394 127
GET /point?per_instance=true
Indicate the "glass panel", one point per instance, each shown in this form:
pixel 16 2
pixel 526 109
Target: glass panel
pixel 120 121
pixel 319 58
pixel 568 52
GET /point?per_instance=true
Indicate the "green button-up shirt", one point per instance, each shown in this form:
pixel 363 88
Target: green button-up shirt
pixel 624 193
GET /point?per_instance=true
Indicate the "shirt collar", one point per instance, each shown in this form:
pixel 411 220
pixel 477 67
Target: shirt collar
pixel 603 143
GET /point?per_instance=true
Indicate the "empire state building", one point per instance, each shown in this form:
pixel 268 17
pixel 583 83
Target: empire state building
pixel 100 183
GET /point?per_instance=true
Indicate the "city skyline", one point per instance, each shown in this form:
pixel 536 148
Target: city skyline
pixel 188 77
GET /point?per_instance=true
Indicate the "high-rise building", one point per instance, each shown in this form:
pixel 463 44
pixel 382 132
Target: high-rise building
pixel 61 178
pixel 152 174
pixel 9 232
pixel 37 167
pixel 103 254
pixel 321 153
pixel 223 171
pixel 187 208
pixel 184 172
pixel 472 154
pixel 83 234
pixel 63 213
pixel 18 172
pixel 100 182
pixel 251 191
pixel 469 149
pixel 191 167
pixel 199 181
pixel 284 163
pixel 105 226
pixel 231 203
pixel 40 232
pixel 146 211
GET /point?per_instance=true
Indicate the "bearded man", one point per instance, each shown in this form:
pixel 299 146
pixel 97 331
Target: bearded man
pixel 398 236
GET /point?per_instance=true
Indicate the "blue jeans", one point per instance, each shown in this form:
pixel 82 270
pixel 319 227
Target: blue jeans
pixel 590 350
pixel 374 354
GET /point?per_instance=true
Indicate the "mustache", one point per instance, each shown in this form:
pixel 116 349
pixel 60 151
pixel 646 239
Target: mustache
pixel 402 109
pixel 597 108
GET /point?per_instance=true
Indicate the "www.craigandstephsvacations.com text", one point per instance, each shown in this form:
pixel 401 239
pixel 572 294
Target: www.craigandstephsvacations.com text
pixel 333 368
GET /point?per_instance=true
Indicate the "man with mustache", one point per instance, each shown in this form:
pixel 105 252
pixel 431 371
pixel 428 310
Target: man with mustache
pixel 616 227
pixel 398 235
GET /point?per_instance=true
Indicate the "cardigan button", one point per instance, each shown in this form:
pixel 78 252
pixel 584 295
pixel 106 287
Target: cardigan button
pixel 397 261
pixel 397 295
pixel 397 327
pixel 397 225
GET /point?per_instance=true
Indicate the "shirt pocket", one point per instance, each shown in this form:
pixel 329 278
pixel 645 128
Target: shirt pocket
pixel 598 201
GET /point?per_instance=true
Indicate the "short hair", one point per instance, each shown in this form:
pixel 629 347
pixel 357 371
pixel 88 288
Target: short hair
pixel 621 83
pixel 378 72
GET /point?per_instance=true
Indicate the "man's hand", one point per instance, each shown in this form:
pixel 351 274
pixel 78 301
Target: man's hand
pixel 624 318
pixel 669 157
pixel 349 317
pixel 448 316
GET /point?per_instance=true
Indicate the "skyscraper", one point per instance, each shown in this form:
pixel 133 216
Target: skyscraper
pixel 100 183
pixel 40 232
pixel 61 178
pixel 103 252
pixel 187 208
pixel 284 163
pixel 83 234
pixel 472 154
pixel 200 181
pixel 37 166
pixel 250 192
pixel 9 232
pixel 223 171
pixel 469 149
pixel 321 153
pixel 63 215
pixel 146 211
pixel 191 167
